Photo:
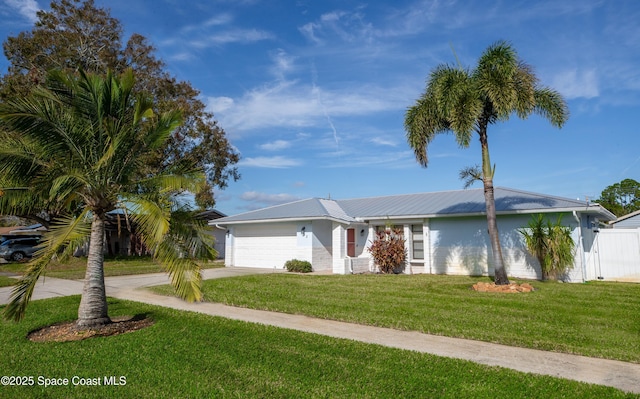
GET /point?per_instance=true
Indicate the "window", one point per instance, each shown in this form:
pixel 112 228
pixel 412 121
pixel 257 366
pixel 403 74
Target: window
pixel 417 242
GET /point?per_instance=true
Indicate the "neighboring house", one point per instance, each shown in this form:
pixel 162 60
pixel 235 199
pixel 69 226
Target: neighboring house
pixel 218 233
pixel 630 221
pixel 121 239
pixel 446 232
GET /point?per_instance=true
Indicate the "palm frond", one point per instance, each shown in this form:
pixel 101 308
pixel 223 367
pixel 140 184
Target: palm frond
pixel 551 105
pixel 188 243
pixel 422 123
pixel 470 175
pixel 152 214
pixel 184 272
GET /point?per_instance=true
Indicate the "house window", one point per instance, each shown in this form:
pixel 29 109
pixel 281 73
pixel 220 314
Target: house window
pixel 351 242
pixel 417 242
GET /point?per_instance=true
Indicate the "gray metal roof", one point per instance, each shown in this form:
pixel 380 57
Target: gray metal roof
pixel 436 204
pixel 312 208
pixel 631 220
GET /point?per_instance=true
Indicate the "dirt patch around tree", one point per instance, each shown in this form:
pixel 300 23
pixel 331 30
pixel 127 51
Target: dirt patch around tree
pixel 507 288
pixel 65 332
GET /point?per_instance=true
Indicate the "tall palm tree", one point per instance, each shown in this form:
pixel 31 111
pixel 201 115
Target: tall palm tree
pixel 467 101
pixel 75 145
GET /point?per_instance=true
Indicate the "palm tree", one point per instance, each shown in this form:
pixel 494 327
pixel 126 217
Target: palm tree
pixel 466 101
pixel 75 146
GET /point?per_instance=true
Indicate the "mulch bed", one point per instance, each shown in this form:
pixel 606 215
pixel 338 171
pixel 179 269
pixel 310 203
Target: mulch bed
pixel 507 288
pixel 65 332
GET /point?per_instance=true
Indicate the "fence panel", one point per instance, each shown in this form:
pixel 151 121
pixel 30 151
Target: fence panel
pixel 615 255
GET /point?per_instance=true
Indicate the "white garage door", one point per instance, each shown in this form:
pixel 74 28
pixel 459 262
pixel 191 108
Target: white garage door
pixel 268 245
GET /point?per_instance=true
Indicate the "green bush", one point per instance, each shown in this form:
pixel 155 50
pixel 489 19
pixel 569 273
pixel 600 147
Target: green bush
pixel 299 266
pixel 551 244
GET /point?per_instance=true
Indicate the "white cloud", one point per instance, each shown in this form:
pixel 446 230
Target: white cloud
pixel 384 141
pixel 575 84
pixel 277 162
pixel 275 145
pixel 219 104
pixel 233 36
pixel 266 199
pixel 27 8
pixel 220 19
pixel 290 104
pixel 283 64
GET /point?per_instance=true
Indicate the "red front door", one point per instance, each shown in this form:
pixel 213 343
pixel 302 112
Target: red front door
pixel 351 242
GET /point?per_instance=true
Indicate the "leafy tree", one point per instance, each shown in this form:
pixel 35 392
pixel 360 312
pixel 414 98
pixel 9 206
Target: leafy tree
pixel 80 143
pixel 465 101
pixel 621 198
pixel 75 34
pixel 551 244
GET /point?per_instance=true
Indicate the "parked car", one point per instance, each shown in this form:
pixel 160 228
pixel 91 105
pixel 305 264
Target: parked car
pixel 17 249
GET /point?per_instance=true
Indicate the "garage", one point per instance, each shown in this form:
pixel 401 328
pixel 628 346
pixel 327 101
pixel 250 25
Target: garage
pixel 268 245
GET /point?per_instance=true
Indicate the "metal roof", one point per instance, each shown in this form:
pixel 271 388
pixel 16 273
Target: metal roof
pixel 312 208
pixel 435 204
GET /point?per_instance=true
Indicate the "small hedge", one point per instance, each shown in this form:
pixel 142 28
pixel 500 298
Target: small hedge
pixel 299 266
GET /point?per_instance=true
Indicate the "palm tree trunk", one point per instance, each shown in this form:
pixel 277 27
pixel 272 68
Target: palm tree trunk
pixel 92 312
pixel 500 273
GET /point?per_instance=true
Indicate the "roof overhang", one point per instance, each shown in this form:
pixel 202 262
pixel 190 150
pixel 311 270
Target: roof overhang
pixel 597 209
pixel 219 223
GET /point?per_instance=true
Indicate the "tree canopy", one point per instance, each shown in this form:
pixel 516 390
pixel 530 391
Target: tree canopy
pixel 79 141
pixel 621 198
pixel 76 35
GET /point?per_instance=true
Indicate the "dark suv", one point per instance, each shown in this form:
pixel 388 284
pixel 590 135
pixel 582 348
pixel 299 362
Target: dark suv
pixel 16 249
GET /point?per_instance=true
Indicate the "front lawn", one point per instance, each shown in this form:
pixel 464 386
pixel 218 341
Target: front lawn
pixel 188 355
pixel 7 281
pixel 598 319
pixel 74 268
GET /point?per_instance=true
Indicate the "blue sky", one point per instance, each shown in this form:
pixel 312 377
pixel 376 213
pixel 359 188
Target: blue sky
pixel 313 93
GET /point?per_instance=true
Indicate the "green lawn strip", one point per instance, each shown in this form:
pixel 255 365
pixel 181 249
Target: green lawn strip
pixel 74 268
pixel 191 355
pixel 7 281
pixel 594 319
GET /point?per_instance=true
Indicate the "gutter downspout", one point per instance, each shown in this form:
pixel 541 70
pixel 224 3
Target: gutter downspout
pixel 581 247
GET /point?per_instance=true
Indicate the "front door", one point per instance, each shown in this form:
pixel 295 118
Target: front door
pixel 351 242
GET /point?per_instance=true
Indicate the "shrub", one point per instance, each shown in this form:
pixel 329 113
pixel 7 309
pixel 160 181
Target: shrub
pixel 388 250
pixel 551 244
pixel 299 266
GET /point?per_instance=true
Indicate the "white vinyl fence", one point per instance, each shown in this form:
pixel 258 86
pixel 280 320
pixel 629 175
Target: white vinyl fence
pixel 615 255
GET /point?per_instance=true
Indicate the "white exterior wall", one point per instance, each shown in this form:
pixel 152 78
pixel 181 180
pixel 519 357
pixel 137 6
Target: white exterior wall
pixel 340 262
pixel 461 246
pixel 322 246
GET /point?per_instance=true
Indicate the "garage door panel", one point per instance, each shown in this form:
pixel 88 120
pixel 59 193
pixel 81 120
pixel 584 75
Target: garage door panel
pixel 265 246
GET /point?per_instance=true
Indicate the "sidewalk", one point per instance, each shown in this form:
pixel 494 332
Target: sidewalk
pixel 621 375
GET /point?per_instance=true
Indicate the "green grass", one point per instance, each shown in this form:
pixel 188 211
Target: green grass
pixel 74 268
pixel 188 355
pixel 594 319
pixel 6 281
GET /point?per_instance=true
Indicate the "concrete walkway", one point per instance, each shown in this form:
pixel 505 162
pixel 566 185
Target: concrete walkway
pixel 621 375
